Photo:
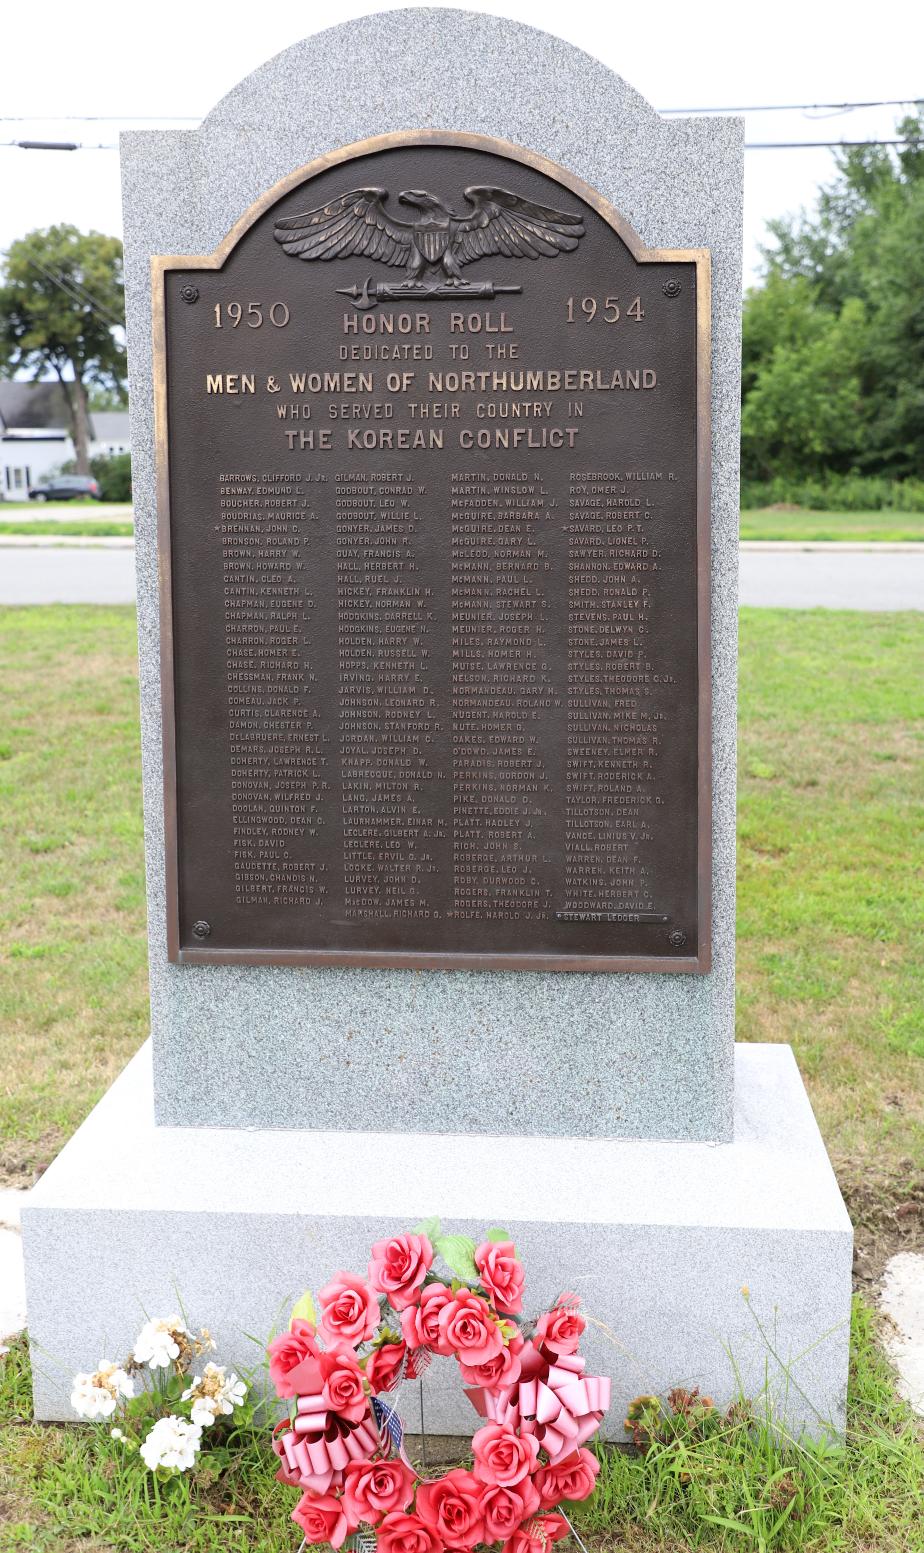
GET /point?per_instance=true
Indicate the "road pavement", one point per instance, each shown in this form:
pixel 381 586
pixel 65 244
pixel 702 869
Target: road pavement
pixel 66 575
pixel 874 577
pixel 877 577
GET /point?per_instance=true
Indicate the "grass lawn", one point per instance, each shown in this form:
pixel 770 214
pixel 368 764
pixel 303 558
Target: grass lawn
pixel 72 504
pixel 67 527
pixel 830 927
pixel 714 1481
pixel 83 518
pixel 801 523
pixel 72 951
pixel 830 958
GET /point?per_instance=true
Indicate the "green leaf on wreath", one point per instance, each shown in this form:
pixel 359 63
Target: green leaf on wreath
pixel 428 1227
pixel 303 1309
pixel 458 1252
pixel 497 1234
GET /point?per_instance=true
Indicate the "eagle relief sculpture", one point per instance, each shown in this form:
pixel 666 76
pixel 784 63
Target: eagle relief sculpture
pixel 435 246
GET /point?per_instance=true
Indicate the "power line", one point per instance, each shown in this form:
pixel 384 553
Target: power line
pixel 803 107
pixel 811 145
pixel 188 118
pixel 749 145
pixel 76 292
pixel 77 286
pixel 100 118
pixel 762 145
pixel 58 145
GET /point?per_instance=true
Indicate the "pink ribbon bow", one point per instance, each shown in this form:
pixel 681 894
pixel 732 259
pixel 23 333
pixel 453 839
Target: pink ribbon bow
pixel 562 1409
pixel 320 1445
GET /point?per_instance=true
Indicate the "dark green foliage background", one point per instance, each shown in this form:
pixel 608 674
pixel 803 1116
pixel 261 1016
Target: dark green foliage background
pixel 833 349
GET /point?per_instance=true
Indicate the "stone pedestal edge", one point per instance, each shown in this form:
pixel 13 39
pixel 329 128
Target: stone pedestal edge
pixel 699 1264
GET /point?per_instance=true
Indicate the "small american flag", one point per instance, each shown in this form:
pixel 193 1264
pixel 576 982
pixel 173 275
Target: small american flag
pixel 387 1419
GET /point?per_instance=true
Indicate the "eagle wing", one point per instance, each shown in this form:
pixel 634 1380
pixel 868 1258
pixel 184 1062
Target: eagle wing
pixel 354 223
pixel 507 224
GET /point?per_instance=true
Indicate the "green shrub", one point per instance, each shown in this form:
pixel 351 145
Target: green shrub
pixel 836 493
pixel 114 476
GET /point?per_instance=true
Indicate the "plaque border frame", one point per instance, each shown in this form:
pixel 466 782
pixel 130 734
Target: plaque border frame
pixel 390 959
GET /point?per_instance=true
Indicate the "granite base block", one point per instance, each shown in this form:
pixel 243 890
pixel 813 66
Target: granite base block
pixel 700 1265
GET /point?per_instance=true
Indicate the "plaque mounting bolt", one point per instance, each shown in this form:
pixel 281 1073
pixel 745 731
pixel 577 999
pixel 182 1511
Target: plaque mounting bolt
pixel 189 293
pixel 202 929
pixel 677 939
pixel 672 288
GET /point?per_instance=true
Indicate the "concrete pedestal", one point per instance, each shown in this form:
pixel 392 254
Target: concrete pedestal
pixel 699 1264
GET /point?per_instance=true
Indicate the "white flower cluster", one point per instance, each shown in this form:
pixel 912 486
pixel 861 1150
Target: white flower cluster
pixel 213 1393
pixel 158 1342
pixel 95 1396
pixel 172 1443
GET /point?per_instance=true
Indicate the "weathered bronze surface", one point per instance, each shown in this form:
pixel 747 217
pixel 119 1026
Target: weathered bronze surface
pixel 433 440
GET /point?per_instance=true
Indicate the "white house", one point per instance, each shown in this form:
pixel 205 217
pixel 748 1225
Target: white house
pixel 34 436
pixel 110 433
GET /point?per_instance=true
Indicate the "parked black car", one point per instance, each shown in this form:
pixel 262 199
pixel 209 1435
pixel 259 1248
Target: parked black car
pixel 65 488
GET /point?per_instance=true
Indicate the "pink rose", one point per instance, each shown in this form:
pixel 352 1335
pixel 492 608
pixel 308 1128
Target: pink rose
pixel 322 1519
pixel 501 1274
pixel 399 1267
pixel 293 1360
pixel 505 1509
pixel 349 1310
pixel 451 1507
pixel 420 1324
pixel 468 1329
pixel 571 1479
pixel 343 1389
pixel 501 1456
pixel 496 1374
pixel 372 1489
pixel 384 1366
pixel 560 1329
pixel 400 1533
pixel 536 1535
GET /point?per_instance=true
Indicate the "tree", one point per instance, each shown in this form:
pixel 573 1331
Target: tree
pixel 108 399
pixel 834 340
pixel 802 411
pixel 62 312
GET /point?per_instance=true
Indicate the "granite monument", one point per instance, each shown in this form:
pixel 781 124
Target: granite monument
pixel 435 387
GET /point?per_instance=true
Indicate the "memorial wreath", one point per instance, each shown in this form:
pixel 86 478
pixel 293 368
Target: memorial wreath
pixel 341 1369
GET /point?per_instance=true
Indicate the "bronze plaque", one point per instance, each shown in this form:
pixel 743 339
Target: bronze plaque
pixel 433 433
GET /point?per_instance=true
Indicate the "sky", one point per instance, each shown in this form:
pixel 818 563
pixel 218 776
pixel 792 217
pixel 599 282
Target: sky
pixel 175 59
